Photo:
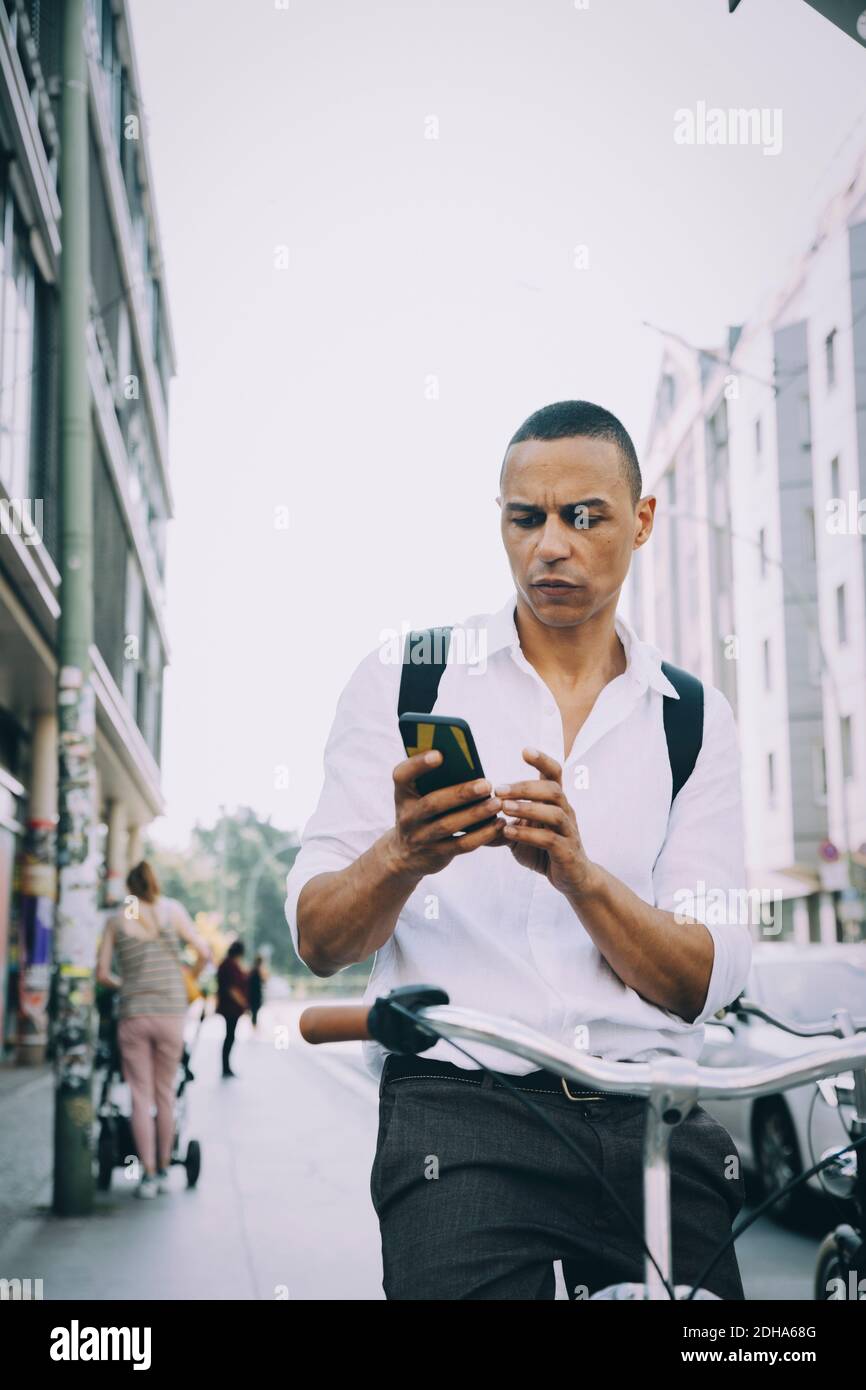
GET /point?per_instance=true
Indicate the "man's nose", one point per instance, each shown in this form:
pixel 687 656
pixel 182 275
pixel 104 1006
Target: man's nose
pixel 555 541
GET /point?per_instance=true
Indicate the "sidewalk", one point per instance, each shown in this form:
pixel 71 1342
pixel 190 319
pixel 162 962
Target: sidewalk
pixel 26 1128
pixel 282 1207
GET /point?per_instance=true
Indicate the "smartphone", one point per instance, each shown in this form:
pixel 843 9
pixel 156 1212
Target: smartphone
pixel 450 736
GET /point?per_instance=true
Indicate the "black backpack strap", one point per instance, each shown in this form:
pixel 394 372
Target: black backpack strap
pixel 419 680
pixel 684 724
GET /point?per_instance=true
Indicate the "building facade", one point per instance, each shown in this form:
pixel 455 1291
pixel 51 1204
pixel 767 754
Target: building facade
pixel 130 362
pixel 756 577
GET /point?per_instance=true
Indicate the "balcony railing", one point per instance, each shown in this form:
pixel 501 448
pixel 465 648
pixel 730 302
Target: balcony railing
pixel 35 30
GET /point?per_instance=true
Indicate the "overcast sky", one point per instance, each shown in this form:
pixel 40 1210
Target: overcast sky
pixel 368 377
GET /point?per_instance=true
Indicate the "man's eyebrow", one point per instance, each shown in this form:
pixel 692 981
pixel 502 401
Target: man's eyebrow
pixel 596 502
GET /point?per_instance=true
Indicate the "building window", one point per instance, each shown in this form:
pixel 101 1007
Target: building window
pixel 155 318
pixel 44 458
pixel 762 550
pixel 830 357
pixel 819 771
pixel 813 903
pixel 124 355
pixel 835 485
pixel 811 547
pixel 17 305
pixel 847 747
pixel 771 778
pixel 767 669
pixel 133 637
pixel 841 616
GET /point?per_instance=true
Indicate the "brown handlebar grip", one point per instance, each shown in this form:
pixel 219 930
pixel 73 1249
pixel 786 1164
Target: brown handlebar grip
pixel 334 1023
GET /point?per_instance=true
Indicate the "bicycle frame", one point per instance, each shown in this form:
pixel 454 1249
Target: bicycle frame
pixel 672 1086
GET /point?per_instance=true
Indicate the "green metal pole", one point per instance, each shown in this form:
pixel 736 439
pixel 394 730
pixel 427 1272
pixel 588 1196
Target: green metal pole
pixel 77 905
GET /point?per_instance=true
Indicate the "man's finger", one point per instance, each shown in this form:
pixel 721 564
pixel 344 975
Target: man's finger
pixel 453 798
pixel 441 827
pixel 547 766
pixel 531 835
pixel 407 773
pixel 473 839
pixel 539 813
pixel 531 791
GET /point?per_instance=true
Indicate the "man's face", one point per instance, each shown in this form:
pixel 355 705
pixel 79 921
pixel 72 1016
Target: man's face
pixel 569 526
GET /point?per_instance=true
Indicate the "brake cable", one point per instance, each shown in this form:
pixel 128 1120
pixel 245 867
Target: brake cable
pixel 765 1206
pixel 759 1211
pixel 551 1124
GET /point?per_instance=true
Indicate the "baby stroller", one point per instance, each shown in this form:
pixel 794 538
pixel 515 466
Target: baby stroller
pixel 115 1144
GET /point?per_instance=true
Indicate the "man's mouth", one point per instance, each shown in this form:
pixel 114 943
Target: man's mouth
pixel 552 585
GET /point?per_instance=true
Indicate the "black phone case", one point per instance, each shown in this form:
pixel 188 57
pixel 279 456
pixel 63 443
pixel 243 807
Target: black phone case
pixel 452 738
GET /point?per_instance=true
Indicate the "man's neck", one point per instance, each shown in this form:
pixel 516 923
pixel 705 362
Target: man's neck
pixel 588 653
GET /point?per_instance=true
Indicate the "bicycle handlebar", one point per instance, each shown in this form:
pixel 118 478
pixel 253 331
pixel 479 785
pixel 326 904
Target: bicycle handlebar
pixel 348 1022
pixel 824 1027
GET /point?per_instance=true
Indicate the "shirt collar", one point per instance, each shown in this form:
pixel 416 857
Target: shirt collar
pixel 643 661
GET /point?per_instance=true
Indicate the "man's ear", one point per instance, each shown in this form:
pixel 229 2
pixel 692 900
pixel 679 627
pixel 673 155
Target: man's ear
pixel 644 515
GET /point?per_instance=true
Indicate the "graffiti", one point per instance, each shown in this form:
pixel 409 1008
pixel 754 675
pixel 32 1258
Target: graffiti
pixel 77 921
pixel 38 892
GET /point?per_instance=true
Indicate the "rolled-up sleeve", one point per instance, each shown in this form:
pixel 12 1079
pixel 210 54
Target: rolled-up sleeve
pixel 700 871
pixel 356 804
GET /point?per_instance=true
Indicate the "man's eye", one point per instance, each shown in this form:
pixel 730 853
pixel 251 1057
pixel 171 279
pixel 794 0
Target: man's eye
pixel 525 521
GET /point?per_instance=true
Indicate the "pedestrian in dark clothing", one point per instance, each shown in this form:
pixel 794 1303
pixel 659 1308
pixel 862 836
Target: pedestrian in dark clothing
pixel 256 986
pixel 232 998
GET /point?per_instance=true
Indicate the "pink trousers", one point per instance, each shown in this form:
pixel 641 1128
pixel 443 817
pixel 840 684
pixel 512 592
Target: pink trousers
pixel 151 1046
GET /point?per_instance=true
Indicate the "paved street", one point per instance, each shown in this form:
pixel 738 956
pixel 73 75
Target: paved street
pixel 282 1202
pixel 282 1207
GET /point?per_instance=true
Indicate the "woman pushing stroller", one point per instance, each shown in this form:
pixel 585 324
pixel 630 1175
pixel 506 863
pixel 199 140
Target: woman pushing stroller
pixel 153 1005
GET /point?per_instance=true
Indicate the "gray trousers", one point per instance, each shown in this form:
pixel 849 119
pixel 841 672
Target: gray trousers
pixel 476 1197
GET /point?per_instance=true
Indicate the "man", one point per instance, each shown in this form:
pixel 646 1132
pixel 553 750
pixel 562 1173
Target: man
pixel 232 999
pixel 563 912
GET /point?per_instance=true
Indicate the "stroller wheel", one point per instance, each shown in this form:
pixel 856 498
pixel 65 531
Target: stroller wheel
pixel 192 1162
pixel 105 1155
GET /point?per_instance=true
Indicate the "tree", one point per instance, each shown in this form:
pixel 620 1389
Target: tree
pixel 236 869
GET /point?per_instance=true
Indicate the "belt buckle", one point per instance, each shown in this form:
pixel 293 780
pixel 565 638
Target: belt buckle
pixel 571 1097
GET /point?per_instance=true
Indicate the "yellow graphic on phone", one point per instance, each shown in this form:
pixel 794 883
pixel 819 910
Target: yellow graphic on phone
pixel 426 733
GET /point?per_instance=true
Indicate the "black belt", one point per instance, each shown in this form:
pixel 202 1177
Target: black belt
pixel 399 1067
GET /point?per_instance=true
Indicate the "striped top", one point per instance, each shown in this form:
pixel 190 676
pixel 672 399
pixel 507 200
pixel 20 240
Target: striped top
pixel 150 970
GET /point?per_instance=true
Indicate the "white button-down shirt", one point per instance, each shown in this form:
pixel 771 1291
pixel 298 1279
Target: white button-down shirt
pixel 498 937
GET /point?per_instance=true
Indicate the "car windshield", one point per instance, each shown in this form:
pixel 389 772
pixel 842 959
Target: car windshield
pixel 808 992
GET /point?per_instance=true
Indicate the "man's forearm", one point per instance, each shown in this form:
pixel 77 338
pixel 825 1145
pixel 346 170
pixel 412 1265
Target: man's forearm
pixel 666 961
pixel 344 916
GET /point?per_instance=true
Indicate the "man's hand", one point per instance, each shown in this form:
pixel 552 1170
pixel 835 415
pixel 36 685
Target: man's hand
pixel 545 837
pixel 424 839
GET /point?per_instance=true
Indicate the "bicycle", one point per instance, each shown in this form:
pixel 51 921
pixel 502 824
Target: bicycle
pixel 412 1018
pixel 841 1260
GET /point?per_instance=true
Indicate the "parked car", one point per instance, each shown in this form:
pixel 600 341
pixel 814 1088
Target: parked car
pixel 779 1136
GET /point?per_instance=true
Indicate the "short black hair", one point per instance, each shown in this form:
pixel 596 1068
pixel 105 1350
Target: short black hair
pixel 581 420
pixel 236 949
